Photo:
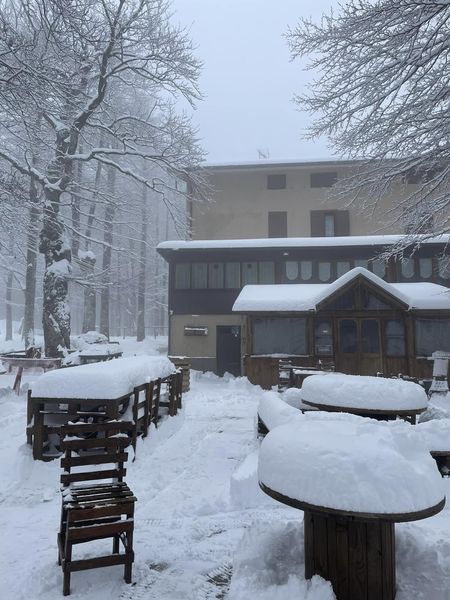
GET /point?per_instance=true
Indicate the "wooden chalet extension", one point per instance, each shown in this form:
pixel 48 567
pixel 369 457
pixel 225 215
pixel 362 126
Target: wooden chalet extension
pixel 359 323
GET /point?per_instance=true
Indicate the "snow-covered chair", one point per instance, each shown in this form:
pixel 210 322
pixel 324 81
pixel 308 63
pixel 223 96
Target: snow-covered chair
pixel 93 508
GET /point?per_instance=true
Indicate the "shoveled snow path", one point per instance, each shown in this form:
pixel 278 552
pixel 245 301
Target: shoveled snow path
pixel 186 528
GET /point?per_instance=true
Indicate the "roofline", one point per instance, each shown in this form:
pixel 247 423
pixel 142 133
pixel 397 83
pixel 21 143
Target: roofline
pixel 268 164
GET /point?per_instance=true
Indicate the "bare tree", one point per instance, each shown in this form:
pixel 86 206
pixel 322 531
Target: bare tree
pixel 69 58
pixel 381 94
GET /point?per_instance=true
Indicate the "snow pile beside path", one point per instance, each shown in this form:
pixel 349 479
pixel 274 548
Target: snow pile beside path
pixel 273 411
pixel 244 486
pixel 103 380
pixel 353 466
pixel 269 565
pixel 356 391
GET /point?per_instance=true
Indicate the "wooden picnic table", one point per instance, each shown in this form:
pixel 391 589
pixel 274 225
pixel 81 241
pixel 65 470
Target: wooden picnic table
pixel 22 364
pixel 86 357
pixel 350 511
pixel 383 414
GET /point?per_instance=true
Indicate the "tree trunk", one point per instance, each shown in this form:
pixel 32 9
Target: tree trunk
pixel 107 251
pixel 30 273
pixel 55 309
pixel 75 206
pixel 140 318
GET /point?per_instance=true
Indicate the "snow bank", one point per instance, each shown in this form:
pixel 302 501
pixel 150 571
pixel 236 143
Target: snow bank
pixel 274 412
pixel 356 391
pixel 269 565
pixel 353 466
pixel 244 487
pixel 104 380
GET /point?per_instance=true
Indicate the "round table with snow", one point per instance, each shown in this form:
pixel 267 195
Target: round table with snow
pixel 365 396
pixel 354 481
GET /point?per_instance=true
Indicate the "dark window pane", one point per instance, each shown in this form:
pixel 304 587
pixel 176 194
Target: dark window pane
pixel 320 180
pixel 279 336
pixel 347 336
pixel 233 275
pixel 277 224
pixel 276 182
pixel 345 301
pixel 372 302
pixel 267 271
pixel 370 337
pixel 215 275
pixel 323 338
pixel 432 335
pixel 199 275
pixel 183 276
pixel 249 273
pixel 395 338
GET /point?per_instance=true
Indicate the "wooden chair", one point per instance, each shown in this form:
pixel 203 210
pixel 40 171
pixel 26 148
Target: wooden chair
pixel 93 508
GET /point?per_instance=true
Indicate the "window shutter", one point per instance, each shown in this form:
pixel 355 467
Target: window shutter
pixel 317 223
pixel 342 222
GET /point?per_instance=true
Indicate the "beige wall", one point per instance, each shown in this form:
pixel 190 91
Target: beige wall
pixel 241 202
pixel 201 349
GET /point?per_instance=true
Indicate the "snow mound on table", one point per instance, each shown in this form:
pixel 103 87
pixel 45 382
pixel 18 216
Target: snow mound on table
pixel 293 397
pixel 353 466
pixel 357 391
pixel 103 380
pixel 273 411
pixel 435 435
pixel 269 565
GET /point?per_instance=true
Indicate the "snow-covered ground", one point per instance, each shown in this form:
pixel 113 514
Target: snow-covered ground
pixel 203 529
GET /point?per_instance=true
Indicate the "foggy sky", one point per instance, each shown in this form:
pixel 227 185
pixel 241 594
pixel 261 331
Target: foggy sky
pixel 248 80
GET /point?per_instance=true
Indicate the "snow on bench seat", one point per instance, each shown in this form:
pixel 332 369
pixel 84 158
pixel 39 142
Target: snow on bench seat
pixel 358 392
pixel 359 466
pixel 104 380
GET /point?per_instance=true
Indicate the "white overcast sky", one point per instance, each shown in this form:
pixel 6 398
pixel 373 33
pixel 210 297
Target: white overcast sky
pixel 248 81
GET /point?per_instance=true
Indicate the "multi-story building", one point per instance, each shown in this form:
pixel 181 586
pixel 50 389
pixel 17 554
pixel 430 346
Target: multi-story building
pixel 268 223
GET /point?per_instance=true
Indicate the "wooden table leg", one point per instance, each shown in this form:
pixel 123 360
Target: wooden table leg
pixel 357 557
pixel 38 438
pixel 18 380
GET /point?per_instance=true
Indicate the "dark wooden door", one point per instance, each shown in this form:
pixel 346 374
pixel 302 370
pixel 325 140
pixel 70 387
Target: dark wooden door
pixel 359 346
pixel 228 350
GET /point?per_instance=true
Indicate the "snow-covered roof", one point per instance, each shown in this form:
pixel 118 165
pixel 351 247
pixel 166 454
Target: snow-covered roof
pixel 266 163
pixel 301 242
pixel 288 297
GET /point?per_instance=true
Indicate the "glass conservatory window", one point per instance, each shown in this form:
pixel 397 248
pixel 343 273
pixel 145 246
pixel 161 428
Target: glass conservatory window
pixel 279 336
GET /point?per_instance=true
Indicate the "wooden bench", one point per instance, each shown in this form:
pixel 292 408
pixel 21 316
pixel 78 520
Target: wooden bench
pixel 93 509
pixel 22 364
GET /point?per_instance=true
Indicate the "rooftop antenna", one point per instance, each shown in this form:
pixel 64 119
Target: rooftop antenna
pixel 263 153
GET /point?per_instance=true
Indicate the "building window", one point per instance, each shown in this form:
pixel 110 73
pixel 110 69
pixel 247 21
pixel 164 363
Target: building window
pixel 327 223
pixel 408 268
pixel 267 271
pixel 395 338
pixel 279 336
pixel 361 262
pixel 370 336
pixel 249 273
pixel 277 224
pixel 323 179
pixel 379 267
pixel 323 338
pixel 432 335
pixel 291 270
pixel 215 275
pixel 347 336
pixel 305 270
pixel 276 182
pixel 324 271
pixel 444 267
pixel 232 275
pixel 182 276
pixel 199 275
pixel 425 268
pixel 342 266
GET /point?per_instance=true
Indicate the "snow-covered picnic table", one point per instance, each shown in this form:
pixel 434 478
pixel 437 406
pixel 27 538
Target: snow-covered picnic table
pixel 366 396
pixel 354 478
pixel 100 390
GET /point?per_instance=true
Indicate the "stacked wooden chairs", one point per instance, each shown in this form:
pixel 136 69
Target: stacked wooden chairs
pixel 96 504
pixel 174 387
